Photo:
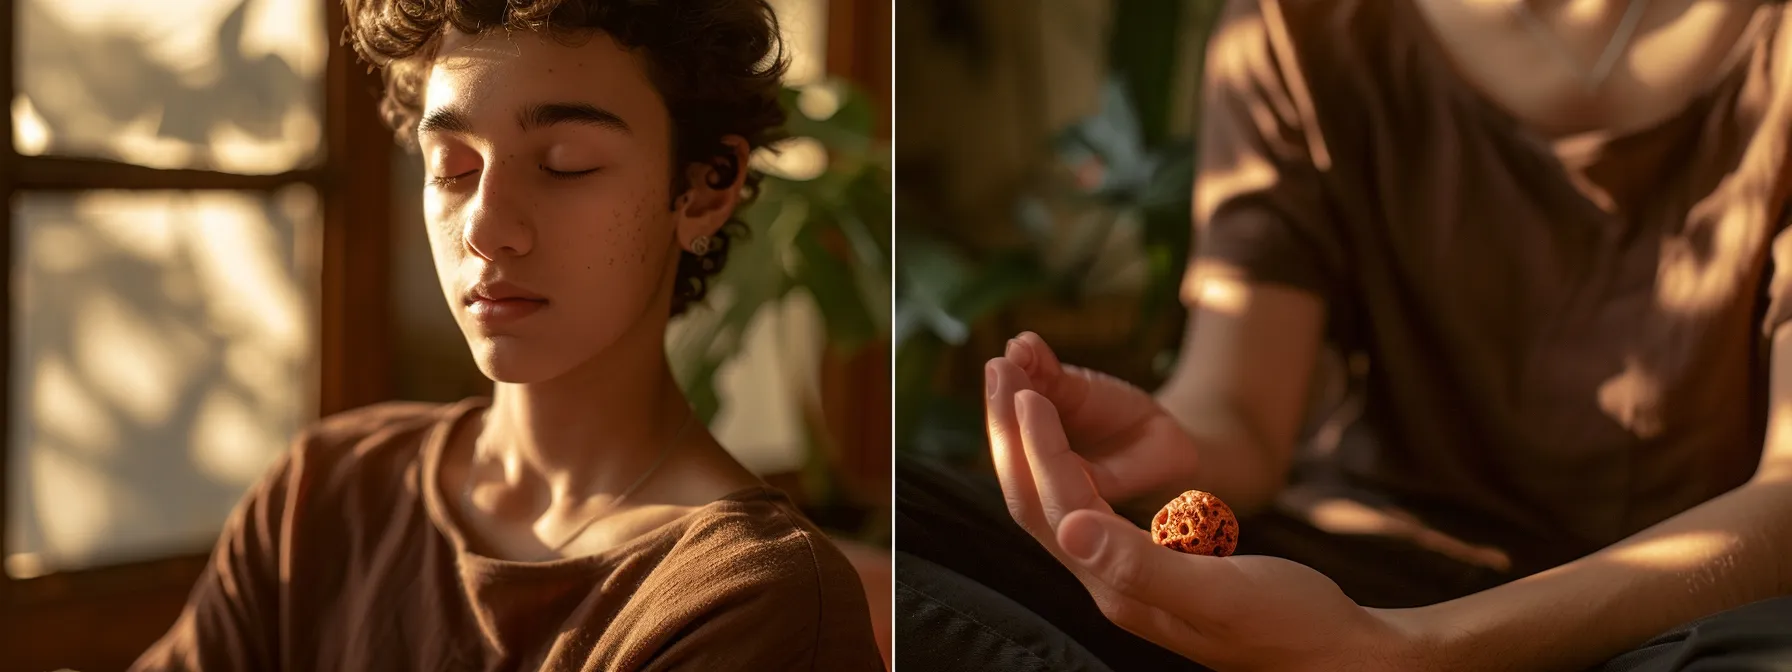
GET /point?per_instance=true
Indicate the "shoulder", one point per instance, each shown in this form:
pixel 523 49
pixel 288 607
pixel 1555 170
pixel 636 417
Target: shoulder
pixel 1318 50
pixel 766 542
pixel 370 425
pixel 366 432
pixel 752 567
pixel 1324 33
pixel 372 451
pixel 1309 73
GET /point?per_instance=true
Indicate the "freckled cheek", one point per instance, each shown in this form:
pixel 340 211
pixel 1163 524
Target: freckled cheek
pixel 619 229
pixel 616 240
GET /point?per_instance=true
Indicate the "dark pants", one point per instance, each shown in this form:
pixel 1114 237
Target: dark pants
pixel 975 592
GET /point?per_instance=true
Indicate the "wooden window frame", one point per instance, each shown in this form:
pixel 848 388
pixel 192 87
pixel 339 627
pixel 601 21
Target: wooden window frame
pixel 102 618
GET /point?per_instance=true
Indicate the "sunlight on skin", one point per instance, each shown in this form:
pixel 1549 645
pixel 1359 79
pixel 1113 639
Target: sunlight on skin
pixel 1702 17
pixel 1218 289
pixel 30 136
pixel 1685 552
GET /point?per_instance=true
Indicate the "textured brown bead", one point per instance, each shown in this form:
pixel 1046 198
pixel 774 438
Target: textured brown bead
pixel 1196 522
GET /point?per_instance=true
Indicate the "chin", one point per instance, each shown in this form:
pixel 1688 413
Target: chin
pixel 508 359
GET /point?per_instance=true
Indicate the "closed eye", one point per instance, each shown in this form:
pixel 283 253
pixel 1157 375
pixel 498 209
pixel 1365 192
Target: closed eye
pixel 449 180
pixel 567 174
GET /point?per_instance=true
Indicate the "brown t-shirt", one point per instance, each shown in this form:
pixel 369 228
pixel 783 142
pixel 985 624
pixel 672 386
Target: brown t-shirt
pixel 1564 338
pixel 343 558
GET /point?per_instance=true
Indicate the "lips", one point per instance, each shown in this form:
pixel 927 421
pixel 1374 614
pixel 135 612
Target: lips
pixel 502 302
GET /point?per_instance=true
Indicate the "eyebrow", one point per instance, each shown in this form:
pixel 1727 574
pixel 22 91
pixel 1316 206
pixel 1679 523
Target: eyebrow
pixel 549 114
pixel 444 120
pixel 453 120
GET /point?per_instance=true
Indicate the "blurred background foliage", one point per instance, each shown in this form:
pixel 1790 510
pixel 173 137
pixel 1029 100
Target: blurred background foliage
pixel 819 226
pixel 827 234
pixel 1080 230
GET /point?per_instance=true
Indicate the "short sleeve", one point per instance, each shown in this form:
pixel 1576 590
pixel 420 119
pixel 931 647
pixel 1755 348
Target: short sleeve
pixel 1259 204
pixel 795 605
pixel 231 620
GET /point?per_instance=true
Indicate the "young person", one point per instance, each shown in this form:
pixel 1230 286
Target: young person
pixel 585 161
pixel 1553 231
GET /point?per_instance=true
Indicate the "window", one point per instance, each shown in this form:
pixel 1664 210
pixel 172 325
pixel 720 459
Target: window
pixel 195 273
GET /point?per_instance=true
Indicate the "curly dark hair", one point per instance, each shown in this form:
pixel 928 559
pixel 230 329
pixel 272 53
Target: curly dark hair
pixel 718 64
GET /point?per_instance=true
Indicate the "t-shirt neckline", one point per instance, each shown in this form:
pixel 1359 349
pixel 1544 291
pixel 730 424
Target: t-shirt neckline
pixel 435 444
pixel 1763 28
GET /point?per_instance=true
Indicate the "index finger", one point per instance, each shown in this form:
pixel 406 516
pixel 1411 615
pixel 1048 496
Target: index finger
pixel 1093 405
pixel 1061 477
pixel 1002 379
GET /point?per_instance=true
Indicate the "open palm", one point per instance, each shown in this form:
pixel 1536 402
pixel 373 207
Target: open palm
pixel 1243 612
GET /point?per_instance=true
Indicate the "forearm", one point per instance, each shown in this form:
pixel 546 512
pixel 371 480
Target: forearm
pixel 1724 553
pixel 1235 462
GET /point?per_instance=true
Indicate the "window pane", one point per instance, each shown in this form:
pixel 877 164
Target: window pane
pixel 163 352
pixel 231 85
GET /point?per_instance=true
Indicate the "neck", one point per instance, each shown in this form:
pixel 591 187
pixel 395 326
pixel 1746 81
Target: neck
pixel 593 429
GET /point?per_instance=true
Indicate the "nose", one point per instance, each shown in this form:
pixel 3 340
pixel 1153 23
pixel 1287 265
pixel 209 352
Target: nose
pixel 498 223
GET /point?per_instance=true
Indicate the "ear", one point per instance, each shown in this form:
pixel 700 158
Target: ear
pixel 713 193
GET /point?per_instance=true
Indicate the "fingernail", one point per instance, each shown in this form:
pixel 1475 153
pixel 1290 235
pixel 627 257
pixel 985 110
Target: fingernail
pixel 1084 540
pixel 1020 353
pixel 989 380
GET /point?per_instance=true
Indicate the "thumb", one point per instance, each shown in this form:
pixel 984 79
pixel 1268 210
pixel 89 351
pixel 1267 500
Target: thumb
pixel 1121 555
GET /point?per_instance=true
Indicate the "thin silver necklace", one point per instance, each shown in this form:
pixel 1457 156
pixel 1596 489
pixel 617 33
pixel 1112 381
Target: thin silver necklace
pixel 665 450
pixel 1594 77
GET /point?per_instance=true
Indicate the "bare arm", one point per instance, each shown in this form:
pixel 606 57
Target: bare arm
pixel 1240 387
pixel 1732 550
